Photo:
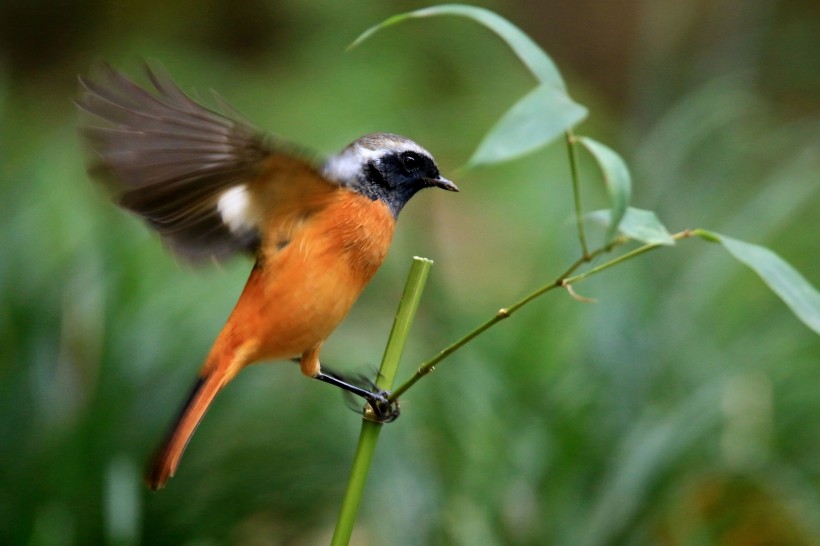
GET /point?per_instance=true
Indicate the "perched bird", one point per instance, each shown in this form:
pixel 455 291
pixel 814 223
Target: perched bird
pixel 212 185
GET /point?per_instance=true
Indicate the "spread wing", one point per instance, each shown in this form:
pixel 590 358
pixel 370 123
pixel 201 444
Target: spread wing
pixel 184 168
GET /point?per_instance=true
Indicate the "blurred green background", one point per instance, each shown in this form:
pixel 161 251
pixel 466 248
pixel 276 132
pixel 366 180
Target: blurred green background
pixel 682 408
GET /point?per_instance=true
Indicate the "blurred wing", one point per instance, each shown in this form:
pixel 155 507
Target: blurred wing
pixel 183 167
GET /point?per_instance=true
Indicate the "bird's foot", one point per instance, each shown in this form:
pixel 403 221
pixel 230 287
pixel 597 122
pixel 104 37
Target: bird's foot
pixel 379 409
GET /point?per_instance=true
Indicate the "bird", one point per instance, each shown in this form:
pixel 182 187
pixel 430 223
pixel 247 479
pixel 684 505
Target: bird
pixel 213 186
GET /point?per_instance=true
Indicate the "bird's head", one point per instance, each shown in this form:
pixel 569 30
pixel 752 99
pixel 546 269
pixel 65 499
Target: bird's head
pixel 388 167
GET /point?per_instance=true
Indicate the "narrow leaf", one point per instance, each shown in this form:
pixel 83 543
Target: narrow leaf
pixel 539 117
pixel 535 59
pixel 637 224
pixel 785 281
pixel 617 180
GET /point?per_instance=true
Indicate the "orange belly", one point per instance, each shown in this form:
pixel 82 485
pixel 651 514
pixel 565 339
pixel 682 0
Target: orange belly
pixel 298 294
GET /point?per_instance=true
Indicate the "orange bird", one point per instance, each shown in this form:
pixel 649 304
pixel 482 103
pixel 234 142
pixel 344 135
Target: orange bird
pixel 212 185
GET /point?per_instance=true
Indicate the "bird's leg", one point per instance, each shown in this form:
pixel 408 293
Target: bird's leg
pixel 381 410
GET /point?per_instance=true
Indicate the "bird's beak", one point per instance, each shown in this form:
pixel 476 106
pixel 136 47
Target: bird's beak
pixel 443 183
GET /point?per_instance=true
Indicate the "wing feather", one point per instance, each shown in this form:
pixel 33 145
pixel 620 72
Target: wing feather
pixel 170 160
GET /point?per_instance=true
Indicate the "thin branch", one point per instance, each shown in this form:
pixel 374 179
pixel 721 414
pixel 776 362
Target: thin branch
pixel 624 257
pixel 563 281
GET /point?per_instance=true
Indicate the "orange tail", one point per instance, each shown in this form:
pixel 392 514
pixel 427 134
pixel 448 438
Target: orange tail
pixel 165 462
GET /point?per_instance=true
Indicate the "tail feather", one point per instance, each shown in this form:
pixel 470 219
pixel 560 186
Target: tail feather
pixel 165 462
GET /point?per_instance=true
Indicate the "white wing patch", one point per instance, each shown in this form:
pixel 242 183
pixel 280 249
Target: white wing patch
pixel 237 210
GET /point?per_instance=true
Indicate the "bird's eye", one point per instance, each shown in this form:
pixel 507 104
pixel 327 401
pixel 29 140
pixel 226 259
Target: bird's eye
pixel 410 162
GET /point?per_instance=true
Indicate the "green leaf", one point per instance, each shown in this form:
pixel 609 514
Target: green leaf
pixel 536 119
pixel 539 117
pixel 637 224
pixel 535 59
pixel 617 180
pixel 785 281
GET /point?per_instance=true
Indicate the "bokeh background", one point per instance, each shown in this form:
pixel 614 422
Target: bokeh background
pixel 682 408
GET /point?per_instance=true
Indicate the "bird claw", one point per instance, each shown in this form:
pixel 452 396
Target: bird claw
pixel 380 409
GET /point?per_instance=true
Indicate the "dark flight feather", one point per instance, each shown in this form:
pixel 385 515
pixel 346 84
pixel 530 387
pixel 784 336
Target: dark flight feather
pixel 169 159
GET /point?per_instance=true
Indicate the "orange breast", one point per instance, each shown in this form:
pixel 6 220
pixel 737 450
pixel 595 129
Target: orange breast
pixel 308 278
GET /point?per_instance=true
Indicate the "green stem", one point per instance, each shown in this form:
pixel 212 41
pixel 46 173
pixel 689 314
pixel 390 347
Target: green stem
pixel 624 257
pixel 563 280
pixel 576 192
pixel 408 305
pixel 370 430
pixel 560 280
pixel 368 436
pixel 427 367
